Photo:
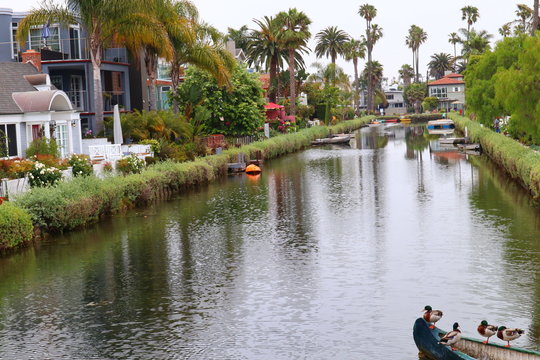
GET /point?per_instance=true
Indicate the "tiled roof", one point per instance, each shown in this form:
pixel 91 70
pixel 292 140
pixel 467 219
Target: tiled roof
pixel 12 80
pixel 446 81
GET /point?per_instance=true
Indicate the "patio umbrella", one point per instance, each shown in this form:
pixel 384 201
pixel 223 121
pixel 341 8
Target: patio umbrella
pixel 117 126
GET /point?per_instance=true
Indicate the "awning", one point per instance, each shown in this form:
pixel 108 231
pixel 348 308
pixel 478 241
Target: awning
pixel 272 106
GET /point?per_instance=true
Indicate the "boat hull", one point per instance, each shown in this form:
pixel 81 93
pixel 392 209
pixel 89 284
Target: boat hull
pixel 427 341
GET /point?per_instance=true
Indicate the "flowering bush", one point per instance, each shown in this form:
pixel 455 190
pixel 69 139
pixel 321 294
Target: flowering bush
pixel 81 165
pixel 130 165
pixel 107 167
pixel 41 175
pixel 19 168
pixel 88 134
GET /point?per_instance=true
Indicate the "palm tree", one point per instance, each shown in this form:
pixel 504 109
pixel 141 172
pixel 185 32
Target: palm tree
pixel 331 43
pixel 265 50
pixel 373 75
pixel 439 64
pixel 535 17
pixel 354 50
pixel 453 39
pixel 505 30
pixel 373 33
pixel 416 37
pixel 525 14
pixel 240 37
pixel 294 35
pixel 105 22
pixel 406 73
pixel 330 74
pixel 471 14
pixel 478 43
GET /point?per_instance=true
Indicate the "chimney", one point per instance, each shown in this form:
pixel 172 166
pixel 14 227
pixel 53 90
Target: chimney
pixel 33 57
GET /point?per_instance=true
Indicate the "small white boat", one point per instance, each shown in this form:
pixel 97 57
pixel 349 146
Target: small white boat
pixel 345 138
pixel 441 126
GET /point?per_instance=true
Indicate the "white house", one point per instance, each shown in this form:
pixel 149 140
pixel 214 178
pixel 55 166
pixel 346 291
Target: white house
pixel 450 90
pixel 30 107
pixel 396 102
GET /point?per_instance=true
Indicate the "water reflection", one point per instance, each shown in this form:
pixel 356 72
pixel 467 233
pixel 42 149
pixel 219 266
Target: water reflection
pixel 296 263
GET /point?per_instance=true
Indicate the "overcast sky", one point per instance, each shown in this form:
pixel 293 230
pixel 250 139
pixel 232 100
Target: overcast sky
pixel 437 18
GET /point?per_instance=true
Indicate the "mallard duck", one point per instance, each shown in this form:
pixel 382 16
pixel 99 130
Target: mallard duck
pixel 432 316
pixel 509 334
pixel 451 337
pixel 486 330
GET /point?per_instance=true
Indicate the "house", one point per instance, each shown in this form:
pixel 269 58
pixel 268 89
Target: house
pixel 31 107
pixel 65 57
pixel 396 102
pixel 450 90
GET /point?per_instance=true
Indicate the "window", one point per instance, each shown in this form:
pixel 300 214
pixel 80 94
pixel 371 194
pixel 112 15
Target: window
pixel 37 41
pixel 457 89
pixel 56 80
pixel 438 92
pixel 76 92
pixel 8 140
pixel 390 97
pixel 163 70
pixel 16 47
pixel 74 43
pixel 61 135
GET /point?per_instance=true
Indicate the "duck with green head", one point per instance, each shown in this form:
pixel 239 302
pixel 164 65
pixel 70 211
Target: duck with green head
pixel 486 330
pixel 432 316
pixel 509 334
pixel 451 337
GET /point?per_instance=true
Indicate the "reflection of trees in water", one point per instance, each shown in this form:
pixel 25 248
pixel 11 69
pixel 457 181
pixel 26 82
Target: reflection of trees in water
pixel 371 138
pixel 503 198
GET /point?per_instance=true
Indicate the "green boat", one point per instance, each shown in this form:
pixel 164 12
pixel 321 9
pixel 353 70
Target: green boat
pixel 427 341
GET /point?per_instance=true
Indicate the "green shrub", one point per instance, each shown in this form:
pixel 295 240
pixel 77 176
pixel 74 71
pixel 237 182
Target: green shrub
pixel 130 165
pixel 155 145
pixel 42 175
pixel 42 146
pixel 81 165
pixel 16 227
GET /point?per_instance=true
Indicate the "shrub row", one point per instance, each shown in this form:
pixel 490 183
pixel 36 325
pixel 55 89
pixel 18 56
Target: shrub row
pixel 16 227
pixel 520 162
pixel 85 199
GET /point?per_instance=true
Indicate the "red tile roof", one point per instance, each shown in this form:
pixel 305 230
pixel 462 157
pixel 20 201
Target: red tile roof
pixel 454 76
pixel 446 81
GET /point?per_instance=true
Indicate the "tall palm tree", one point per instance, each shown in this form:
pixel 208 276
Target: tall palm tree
pixel 406 73
pixel 478 43
pixel 471 15
pixel 369 12
pixel 331 43
pixel 453 39
pixel 416 37
pixel 534 26
pixel 505 30
pixel 265 50
pixel 439 64
pixel 355 50
pixel 294 36
pixel 331 74
pixel 239 36
pixel 105 21
pixel 373 75
pixel 525 14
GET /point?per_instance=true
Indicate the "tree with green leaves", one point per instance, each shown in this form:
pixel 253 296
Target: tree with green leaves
pixel 416 37
pixel 373 34
pixel 330 75
pixel 293 36
pixel 415 94
pixel 477 43
pixel 439 64
pixel 355 50
pixel 105 21
pixel 505 30
pixel 240 36
pixel 525 14
pixel 331 42
pixel 454 39
pixel 236 111
pixel 406 73
pixel 471 15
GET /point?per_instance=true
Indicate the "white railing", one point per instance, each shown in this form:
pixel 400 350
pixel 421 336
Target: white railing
pixel 105 152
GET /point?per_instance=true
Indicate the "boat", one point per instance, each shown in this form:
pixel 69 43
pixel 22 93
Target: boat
pixel 452 140
pixel 441 126
pixel 427 341
pixel 470 147
pixel 336 139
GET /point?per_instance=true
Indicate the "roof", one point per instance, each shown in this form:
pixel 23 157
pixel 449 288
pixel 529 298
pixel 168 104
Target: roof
pixel 454 76
pixel 39 101
pixel 272 106
pixel 12 80
pixel 446 81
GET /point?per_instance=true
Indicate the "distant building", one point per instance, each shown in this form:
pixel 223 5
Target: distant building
pixel 396 102
pixel 450 90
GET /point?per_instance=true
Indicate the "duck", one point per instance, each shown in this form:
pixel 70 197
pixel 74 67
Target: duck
pixel 432 316
pixel 486 330
pixel 509 334
pixel 451 337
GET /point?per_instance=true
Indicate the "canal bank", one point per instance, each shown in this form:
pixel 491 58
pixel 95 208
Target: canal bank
pixel 518 161
pixel 87 200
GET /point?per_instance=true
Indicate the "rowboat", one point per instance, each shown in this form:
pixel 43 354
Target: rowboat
pixel 441 126
pixel 469 147
pixel 427 341
pixel 345 138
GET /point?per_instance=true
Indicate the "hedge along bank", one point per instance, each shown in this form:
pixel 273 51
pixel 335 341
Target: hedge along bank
pixel 86 199
pixel 520 162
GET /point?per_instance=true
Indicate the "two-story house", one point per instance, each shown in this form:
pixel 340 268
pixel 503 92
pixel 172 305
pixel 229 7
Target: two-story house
pixel 63 54
pixel 396 102
pixel 450 90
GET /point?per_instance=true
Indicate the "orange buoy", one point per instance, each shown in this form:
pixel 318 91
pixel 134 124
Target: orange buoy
pixel 253 169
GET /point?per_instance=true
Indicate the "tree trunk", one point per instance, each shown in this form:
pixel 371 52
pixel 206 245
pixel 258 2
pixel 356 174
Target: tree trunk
pixel 95 56
pixel 356 85
pixel 369 84
pixel 292 82
pixel 413 64
pixel 272 89
pixel 535 18
pixel 150 61
pixel 417 67
pixel 175 79
pixel 334 56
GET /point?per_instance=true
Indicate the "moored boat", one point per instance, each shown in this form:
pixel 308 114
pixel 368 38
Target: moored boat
pixel 344 138
pixel 427 341
pixel 441 126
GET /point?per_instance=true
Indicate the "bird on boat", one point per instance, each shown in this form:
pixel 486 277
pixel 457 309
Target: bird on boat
pixel 451 337
pixel 432 316
pixel 486 330
pixel 509 334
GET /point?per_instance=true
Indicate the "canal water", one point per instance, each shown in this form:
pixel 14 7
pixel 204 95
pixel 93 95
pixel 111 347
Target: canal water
pixel 331 253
